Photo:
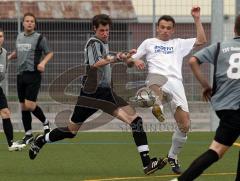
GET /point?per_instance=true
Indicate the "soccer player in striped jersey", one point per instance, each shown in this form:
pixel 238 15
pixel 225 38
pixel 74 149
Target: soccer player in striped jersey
pixel 97 93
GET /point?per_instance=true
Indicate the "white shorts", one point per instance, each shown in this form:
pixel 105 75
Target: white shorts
pixel 174 88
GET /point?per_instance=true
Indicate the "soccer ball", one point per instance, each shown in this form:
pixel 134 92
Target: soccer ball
pixel 144 97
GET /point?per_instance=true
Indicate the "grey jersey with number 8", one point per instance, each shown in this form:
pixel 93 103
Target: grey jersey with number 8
pixel 227 77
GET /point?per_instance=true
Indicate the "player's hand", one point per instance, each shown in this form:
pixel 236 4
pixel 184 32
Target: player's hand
pixel 41 67
pixel 131 52
pixel 126 55
pixel 122 56
pixel 206 94
pixel 195 12
pixel 139 64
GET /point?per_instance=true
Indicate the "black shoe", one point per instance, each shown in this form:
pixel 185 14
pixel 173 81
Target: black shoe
pixel 154 165
pixel 175 165
pixel 36 146
pixel 46 128
pixel 27 139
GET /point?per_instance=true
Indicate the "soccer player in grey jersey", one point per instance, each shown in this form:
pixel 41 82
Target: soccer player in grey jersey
pixel 30 46
pixel 224 96
pixel 98 94
pixel 4 111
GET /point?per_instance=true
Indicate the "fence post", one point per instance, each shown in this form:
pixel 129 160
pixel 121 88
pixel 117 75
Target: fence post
pixel 217 29
pixel 18 5
pixel 154 18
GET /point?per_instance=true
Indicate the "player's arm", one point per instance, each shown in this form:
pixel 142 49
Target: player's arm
pixel 195 66
pixel 12 56
pixel 201 36
pixel 138 63
pixel 45 60
pixel 126 57
pixel 134 57
pixel 109 59
pixel 48 55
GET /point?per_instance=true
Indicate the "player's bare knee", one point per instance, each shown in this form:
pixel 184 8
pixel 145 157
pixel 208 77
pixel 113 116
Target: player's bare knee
pixel 184 127
pixel 5 113
pixel 30 106
pixel 68 133
pixel 219 148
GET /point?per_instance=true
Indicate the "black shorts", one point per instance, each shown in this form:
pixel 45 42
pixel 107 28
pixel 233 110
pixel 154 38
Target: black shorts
pixel 87 104
pixel 28 85
pixel 229 127
pixel 3 100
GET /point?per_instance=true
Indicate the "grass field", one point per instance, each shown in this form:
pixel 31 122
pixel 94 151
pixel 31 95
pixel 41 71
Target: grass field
pixel 107 156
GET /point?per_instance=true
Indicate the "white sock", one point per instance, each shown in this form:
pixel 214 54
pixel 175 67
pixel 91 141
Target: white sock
pixel 47 138
pixel 45 122
pixel 29 132
pixel 178 140
pixel 143 148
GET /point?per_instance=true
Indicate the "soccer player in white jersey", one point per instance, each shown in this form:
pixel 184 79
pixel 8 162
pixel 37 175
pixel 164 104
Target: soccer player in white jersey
pixel 164 57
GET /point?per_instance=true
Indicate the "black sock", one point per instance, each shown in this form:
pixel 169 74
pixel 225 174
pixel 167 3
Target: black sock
pixel 39 114
pixel 27 120
pixel 60 134
pixel 199 165
pixel 140 139
pixel 145 158
pixel 8 130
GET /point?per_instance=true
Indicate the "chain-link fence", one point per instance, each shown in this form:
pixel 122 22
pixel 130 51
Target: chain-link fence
pixel 67 26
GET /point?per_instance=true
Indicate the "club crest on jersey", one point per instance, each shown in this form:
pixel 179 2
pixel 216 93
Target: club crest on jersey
pixel 163 49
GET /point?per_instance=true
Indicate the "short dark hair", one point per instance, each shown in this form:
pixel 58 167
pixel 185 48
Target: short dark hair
pixel 237 25
pixel 166 18
pixel 29 14
pixel 1 30
pixel 102 19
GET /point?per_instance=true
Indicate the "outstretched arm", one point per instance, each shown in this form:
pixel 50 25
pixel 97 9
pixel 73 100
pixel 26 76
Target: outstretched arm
pixel 127 58
pixel 201 36
pixel 195 66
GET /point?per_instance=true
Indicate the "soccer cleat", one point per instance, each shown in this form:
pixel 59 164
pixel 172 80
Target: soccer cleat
pixel 16 147
pixel 154 165
pixel 35 147
pixel 175 165
pixel 158 113
pixel 46 128
pixel 27 139
pixel 175 179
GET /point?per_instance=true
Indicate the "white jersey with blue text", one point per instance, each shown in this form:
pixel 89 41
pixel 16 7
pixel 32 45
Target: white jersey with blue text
pixel 165 57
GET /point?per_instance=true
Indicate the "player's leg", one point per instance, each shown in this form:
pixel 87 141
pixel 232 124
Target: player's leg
pixel 32 81
pixel 181 114
pixel 226 134
pixel 212 155
pixel 5 115
pixel 8 131
pixel 140 139
pixel 155 83
pixel 80 114
pixel 127 114
pixel 179 138
pixel 7 124
pixel 26 114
